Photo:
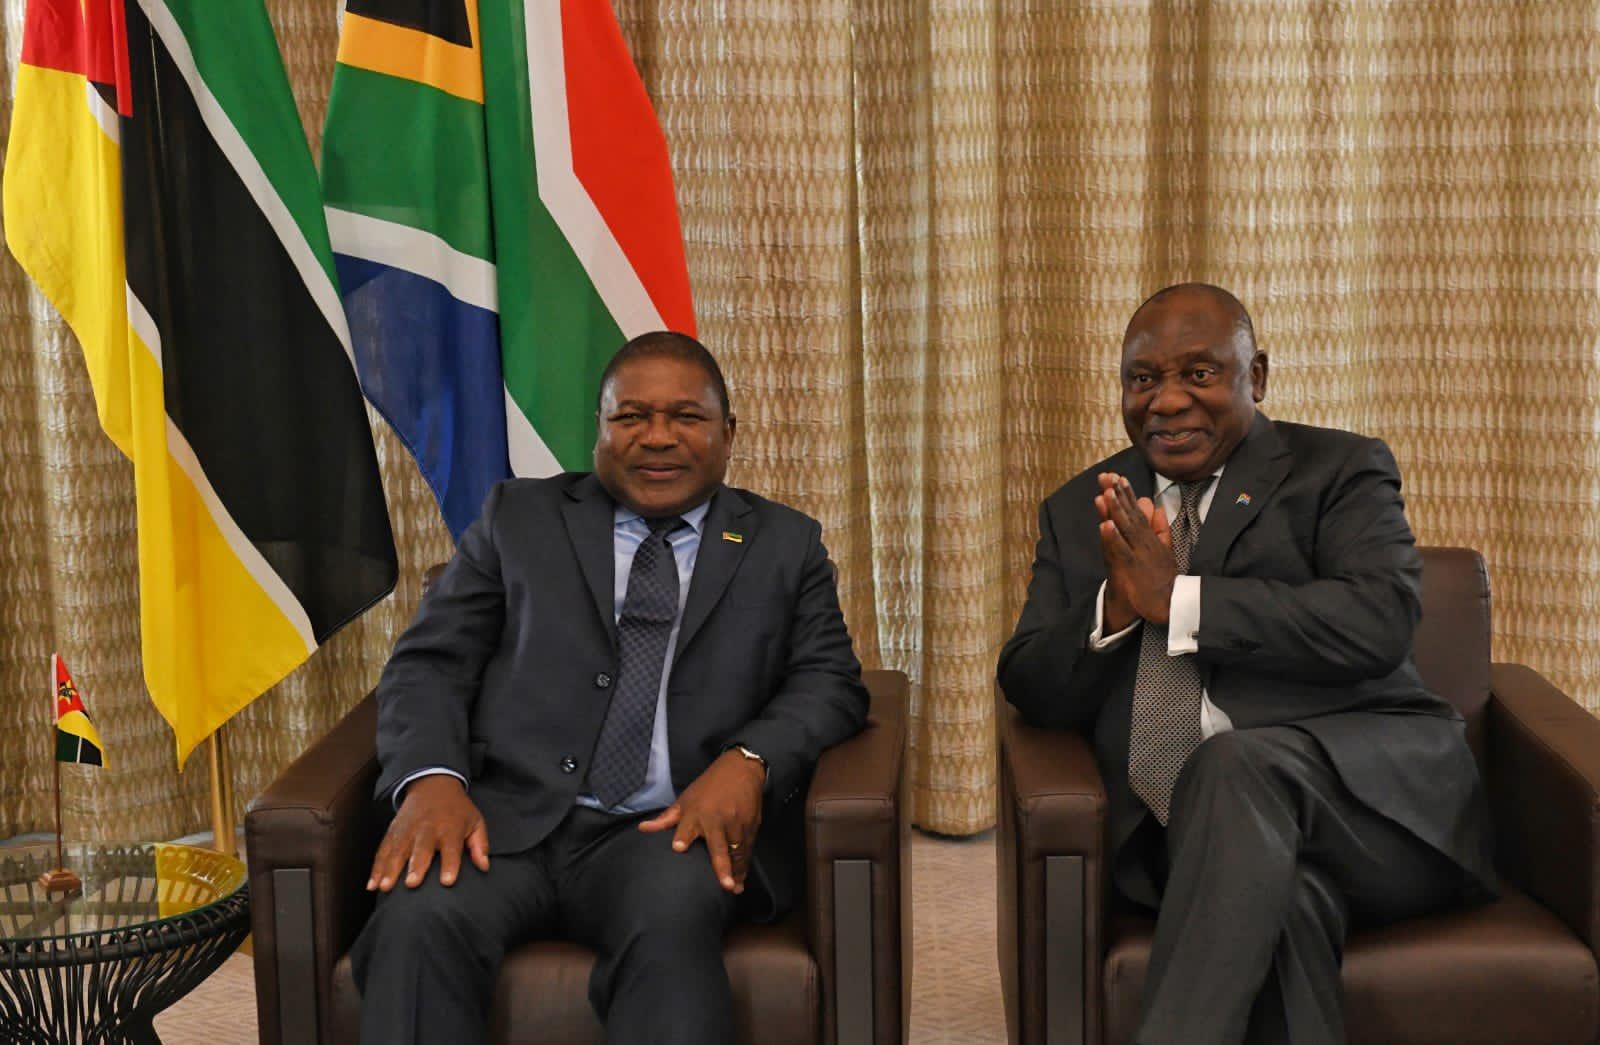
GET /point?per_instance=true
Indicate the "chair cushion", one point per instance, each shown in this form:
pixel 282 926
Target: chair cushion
pixel 543 993
pixel 1507 972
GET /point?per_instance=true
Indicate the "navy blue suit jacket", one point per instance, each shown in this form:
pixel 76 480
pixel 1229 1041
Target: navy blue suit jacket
pixel 505 674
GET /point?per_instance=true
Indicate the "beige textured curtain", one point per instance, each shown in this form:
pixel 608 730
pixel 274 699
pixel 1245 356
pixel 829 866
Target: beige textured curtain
pixel 915 229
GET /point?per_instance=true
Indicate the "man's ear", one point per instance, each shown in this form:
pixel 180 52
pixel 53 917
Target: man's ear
pixel 733 427
pixel 1258 377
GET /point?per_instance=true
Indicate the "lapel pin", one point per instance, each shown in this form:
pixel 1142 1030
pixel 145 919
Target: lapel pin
pixel 732 538
pixel 1243 499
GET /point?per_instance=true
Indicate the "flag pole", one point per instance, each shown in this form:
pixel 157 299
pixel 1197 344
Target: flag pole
pixel 60 863
pixel 58 879
pixel 222 826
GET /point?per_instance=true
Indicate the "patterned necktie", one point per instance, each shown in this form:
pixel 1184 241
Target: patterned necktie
pixel 1167 691
pixel 648 611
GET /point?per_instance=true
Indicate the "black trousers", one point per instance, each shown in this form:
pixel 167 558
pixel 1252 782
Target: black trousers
pixel 1268 858
pixel 427 961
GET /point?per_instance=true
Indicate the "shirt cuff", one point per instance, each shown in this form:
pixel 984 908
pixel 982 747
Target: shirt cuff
pixel 1183 616
pixel 1099 642
pixel 399 789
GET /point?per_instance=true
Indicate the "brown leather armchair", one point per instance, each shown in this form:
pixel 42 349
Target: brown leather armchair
pixel 1522 969
pixel 838 970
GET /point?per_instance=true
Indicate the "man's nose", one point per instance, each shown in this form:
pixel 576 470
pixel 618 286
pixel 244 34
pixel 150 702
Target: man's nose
pixel 1170 398
pixel 659 431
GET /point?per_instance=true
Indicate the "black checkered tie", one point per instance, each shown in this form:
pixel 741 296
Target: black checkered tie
pixel 648 610
pixel 1167 690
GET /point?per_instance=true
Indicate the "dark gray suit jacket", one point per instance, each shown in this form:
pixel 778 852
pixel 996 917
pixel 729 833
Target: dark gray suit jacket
pixel 505 674
pixel 1310 598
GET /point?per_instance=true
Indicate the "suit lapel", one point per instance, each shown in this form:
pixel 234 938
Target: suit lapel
pixel 717 560
pixel 590 516
pixel 1248 481
pixel 1137 471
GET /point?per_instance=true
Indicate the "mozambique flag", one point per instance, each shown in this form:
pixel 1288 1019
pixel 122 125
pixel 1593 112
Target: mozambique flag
pixel 159 190
pixel 76 738
pixel 502 214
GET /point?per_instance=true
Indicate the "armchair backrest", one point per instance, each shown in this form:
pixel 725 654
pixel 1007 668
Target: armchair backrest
pixel 1452 642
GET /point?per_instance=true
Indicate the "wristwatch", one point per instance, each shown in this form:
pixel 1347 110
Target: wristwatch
pixel 751 755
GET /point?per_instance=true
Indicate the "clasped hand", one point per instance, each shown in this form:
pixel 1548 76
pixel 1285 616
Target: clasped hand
pixel 722 806
pixel 1136 543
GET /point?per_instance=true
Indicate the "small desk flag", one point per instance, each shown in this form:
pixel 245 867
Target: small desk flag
pixel 76 738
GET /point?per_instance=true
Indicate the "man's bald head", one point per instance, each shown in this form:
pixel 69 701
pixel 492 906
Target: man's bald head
pixel 1180 293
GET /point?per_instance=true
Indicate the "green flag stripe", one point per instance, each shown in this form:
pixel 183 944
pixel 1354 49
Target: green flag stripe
pixel 404 152
pixel 556 333
pixel 556 337
pixel 236 54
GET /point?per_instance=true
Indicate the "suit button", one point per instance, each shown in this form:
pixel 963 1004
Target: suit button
pixel 602 681
pixel 569 765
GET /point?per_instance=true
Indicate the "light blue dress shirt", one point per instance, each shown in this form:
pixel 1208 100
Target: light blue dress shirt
pixel 629 531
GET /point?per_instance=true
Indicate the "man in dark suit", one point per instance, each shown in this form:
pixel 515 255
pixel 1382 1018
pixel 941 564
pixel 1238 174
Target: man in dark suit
pixel 1227 607
pixel 619 678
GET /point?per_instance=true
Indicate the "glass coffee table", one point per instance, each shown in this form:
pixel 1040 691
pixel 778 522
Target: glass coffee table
pixel 151 922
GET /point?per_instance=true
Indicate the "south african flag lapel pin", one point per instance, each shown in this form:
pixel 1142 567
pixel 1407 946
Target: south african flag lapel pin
pixel 1243 499
pixel 732 538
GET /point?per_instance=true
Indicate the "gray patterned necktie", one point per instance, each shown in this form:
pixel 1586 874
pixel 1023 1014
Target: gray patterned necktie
pixel 1167 690
pixel 648 610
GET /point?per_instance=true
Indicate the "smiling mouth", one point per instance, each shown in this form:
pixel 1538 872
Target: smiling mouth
pixel 659 471
pixel 1178 440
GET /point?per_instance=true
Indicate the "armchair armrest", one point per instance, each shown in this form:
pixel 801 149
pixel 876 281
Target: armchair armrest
pixel 1544 790
pixel 858 874
pixel 309 839
pixel 1051 882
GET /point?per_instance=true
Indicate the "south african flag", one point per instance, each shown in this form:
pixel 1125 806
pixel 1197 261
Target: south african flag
pixel 501 210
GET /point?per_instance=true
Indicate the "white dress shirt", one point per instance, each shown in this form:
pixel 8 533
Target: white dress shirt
pixel 1183 612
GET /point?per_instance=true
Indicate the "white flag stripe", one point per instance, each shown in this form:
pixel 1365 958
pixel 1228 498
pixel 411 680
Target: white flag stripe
pixel 469 280
pixel 103 114
pixel 569 203
pixel 183 454
pixel 144 325
pixel 252 175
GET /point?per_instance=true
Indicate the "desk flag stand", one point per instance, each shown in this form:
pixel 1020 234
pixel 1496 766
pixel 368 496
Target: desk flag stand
pixel 78 742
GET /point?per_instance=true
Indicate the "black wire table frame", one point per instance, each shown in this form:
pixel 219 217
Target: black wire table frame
pixel 107 984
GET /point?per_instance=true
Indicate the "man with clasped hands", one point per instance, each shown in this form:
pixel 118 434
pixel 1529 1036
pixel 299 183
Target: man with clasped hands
pixel 611 702
pixel 1227 608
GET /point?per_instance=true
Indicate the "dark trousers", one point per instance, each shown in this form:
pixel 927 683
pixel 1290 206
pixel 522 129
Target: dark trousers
pixel 1268 860
pixel 428 959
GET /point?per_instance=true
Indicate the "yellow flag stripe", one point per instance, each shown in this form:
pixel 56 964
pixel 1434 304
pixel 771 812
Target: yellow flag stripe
pixel 213 638
pixel 58 151
pixel 145 334
pixel 78 724
pixel 394 50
